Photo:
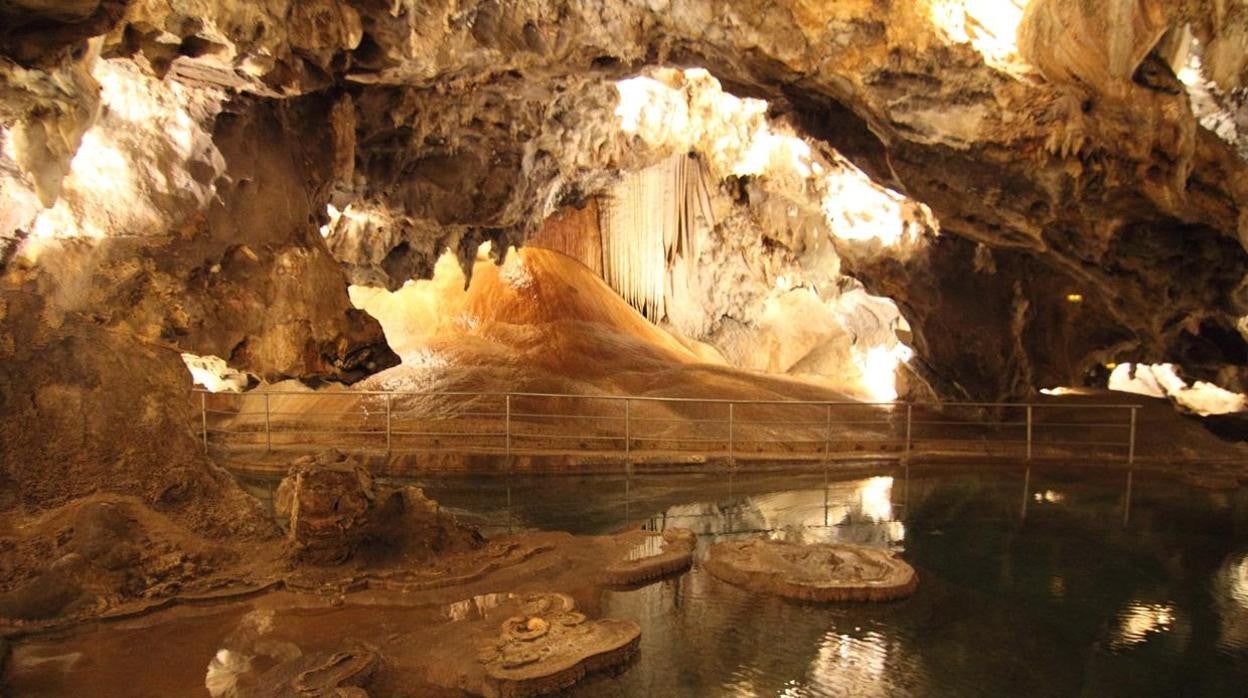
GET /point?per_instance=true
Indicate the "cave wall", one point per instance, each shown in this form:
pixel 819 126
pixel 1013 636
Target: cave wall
pixel 94 394
pixel 451 123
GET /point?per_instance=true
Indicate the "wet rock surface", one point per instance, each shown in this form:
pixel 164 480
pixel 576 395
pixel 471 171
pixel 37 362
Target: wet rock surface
pixel 661 555
pixel 812 572
pixel 551 646
pixel 339 674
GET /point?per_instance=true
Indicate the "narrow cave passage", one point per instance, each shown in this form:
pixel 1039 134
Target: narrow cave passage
pixel 623 348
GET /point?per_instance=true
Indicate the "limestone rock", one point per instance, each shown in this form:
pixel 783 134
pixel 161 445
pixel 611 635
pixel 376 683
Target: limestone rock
pixel 328 505
pixel 552 646
pixel 812 572
pixel 645 565
pixel 332 509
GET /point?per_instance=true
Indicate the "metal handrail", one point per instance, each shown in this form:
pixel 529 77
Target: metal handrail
pixel 772 430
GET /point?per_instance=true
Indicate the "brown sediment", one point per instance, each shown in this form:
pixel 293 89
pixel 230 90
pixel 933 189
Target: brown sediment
pixel 812 572
pixel 675 557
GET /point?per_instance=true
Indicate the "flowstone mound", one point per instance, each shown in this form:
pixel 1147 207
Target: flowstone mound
pixel 812 572
pixel 660 555
pixel 551 646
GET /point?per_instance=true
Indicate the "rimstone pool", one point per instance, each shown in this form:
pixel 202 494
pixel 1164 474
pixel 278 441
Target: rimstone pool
pixel 1032 582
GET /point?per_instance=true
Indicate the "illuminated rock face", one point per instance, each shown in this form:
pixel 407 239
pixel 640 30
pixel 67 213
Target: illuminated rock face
pixel 472 121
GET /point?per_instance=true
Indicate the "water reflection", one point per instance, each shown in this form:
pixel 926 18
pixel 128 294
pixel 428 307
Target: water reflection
pixel 856 511
pixel 1049 497
pixel 246 653
pixel 855 665
pixel 1230 592
pixel 1138 621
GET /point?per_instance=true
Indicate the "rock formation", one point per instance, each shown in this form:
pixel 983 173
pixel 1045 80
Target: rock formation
pixel 645 564
pixel 812 571
pixel 331 508
pixel 552 646
pixel 1022 197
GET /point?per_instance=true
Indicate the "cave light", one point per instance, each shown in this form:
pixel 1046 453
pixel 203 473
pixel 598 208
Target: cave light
pixel 213 374
pixel 334 214
pixel 989 26
pixel 876 496
pixel 878 366
pixel 1057 391
pixel 99 168
pixel 1163 381
pixel 682 111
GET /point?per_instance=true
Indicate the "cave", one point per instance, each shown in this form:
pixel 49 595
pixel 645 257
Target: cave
pixel 361 348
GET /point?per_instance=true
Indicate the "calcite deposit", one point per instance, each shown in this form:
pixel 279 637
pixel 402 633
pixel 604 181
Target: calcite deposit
pixel 551 646
pixel 646 564
pixel 812 571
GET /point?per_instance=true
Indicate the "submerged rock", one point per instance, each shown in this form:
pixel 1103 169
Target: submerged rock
pixel 320 674
pixel 812 572
pixel 551 646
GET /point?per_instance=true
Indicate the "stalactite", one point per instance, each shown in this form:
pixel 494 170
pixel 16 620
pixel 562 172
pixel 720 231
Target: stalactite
pixel 651 223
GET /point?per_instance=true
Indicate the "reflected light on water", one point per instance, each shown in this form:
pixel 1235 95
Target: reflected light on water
pixel 1140 620
pixel 876 496
pixel 1049 497
pixel 1231 600
pixel 854 665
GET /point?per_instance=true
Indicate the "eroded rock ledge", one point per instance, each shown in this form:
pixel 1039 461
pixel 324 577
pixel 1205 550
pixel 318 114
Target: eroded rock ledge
pixel 812 572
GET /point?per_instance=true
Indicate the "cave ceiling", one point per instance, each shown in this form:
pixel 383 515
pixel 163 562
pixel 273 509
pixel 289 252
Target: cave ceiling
pixel 1068 154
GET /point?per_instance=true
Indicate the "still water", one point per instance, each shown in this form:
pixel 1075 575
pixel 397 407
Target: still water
pixel 1042 582
pixel 1047 582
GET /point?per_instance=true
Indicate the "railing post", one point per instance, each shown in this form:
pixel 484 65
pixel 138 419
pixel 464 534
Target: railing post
pixel 507 430
pixel 1131 439
pixel 268 434
pixel 388 427
pixel 909 421
pixel 1029 432
pixel 507 437
pixel 732 453
pixel 628 460
pixel 1026 491
pixel 827 456
pixel 628 433
pixel 1126 500
pixel 827 438
pixel 203 414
